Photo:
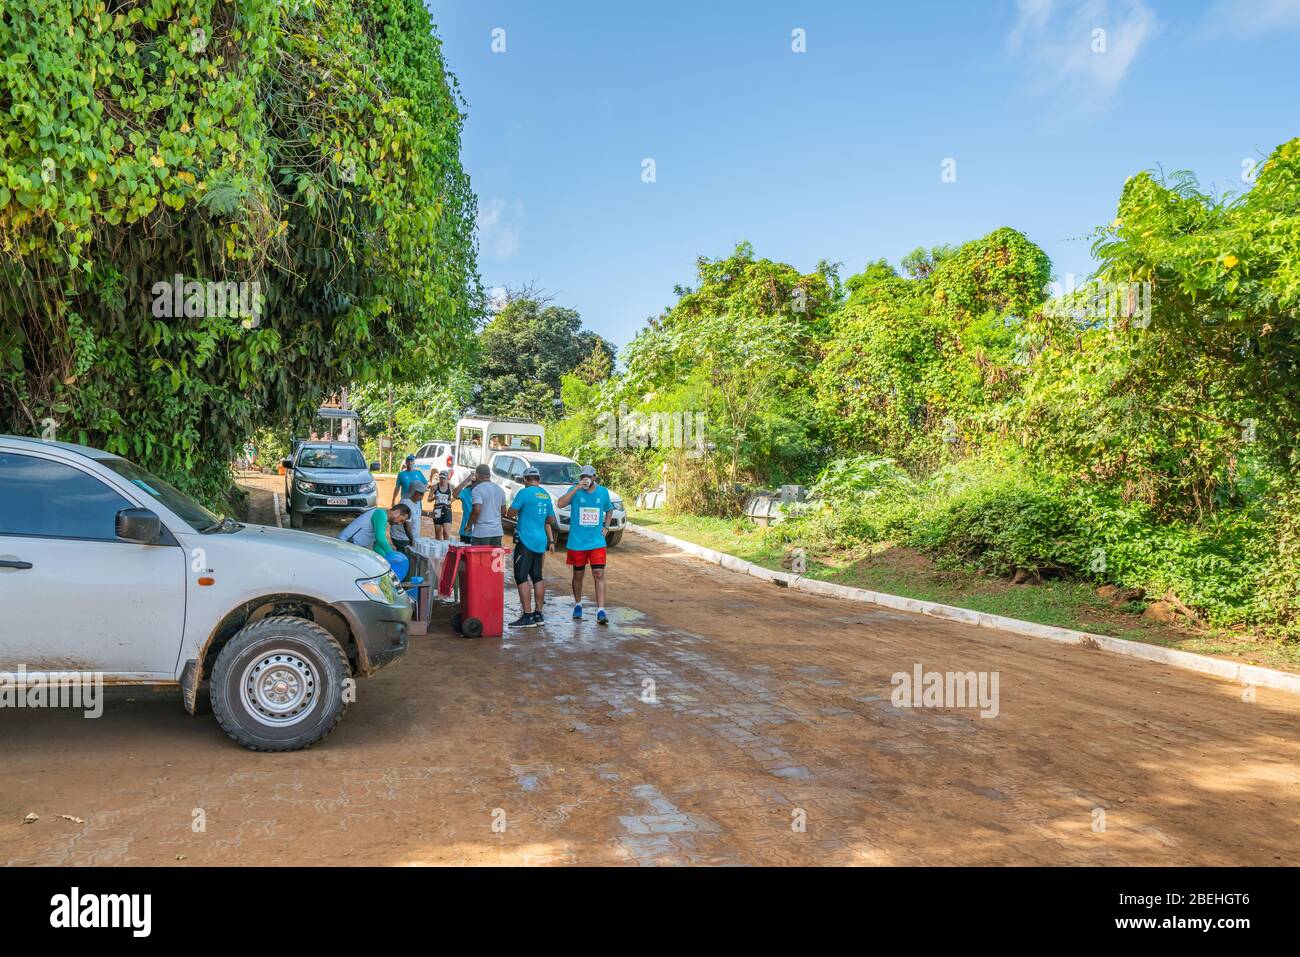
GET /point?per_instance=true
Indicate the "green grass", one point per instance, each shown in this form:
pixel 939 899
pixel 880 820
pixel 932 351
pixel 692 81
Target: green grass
pixel 1063 604
pixel 739 537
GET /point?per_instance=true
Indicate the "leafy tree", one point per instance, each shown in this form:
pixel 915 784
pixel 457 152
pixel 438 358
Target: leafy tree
pixel 1101 406
pixel 526 349
pixel 1225 278
pixel 744 338
pixel 309 150
pixel 920 262
pixel 914 368
pixel 412 413
pixel 598 366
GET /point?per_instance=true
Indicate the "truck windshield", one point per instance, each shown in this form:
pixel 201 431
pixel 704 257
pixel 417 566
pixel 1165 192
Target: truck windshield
pixel 558 473
pixel 194 514
pixel 332 458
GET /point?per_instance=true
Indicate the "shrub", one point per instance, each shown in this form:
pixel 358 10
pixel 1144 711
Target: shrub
pixel 1004 527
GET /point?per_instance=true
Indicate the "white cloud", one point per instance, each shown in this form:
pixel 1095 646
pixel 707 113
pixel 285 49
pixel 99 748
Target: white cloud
pixel 1253 19
pixel 1060 42
pixel 499 224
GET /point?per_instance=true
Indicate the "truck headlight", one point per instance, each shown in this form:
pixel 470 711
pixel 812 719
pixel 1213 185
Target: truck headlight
pixel 305 486
pixel 367 488
pixel 382 589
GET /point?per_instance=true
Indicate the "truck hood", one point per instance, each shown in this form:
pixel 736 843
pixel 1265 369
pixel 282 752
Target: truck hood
pixel 304 544
pixel 334 476
pixel 556 491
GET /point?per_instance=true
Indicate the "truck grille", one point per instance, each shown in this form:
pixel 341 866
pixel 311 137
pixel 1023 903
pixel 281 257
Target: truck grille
pixel 338 489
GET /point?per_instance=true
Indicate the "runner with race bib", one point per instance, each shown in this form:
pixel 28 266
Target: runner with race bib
pixel 534 518
pixel 590 508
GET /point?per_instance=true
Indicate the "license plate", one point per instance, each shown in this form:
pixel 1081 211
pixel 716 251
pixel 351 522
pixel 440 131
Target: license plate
pixel 336 501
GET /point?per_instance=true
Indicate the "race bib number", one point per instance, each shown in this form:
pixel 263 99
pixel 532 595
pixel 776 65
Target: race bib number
pixel 588 517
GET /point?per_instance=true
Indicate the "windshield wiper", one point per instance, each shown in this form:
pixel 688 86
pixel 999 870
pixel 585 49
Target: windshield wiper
pixel 224 524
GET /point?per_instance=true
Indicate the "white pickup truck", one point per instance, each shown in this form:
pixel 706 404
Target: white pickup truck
pixel 558 475
pixel 107 570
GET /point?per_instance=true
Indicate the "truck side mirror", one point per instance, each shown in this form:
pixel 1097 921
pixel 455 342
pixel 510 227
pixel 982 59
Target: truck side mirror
pixel 137 525
pixel 374 466
pixel 287 463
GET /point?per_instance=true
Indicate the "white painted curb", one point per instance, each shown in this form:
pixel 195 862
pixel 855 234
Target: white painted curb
pixel 1246 674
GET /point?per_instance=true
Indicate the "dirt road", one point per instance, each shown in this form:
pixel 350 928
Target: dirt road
pixel 717 720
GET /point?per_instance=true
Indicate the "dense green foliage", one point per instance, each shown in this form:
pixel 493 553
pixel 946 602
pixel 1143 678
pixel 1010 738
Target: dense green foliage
pixel 526 349
pixel 311 149
pixel 1143 435
pixel 412 413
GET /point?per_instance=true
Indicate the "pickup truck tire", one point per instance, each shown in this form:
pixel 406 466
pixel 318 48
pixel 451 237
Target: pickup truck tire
pixel 295 519
pixel 278 685
pixel 613 538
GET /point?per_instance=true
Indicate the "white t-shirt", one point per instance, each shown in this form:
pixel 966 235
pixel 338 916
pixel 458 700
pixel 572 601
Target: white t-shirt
pixel 489 496
pixel 416 514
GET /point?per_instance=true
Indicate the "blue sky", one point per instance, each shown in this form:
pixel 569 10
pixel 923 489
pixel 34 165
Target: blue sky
pixel 838 152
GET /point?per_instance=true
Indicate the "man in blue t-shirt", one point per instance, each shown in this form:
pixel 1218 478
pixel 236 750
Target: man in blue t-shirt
pixel 408 475
pixel 464 493
pixel 590 508
pixel 534 516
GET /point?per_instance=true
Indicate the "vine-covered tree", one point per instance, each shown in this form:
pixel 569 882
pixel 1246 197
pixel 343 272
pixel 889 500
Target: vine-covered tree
pixel 738 348
pixel 1225 290
pixel 214 213
pixel 911 366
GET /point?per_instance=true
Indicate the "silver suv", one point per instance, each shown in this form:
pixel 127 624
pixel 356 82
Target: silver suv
pixel 109 573
pixel 330 478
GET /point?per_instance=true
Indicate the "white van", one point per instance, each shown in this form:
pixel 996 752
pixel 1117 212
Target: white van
pixel 109 573
pixel 479 438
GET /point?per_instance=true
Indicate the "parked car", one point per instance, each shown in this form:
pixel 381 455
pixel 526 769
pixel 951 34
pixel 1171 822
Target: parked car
pixel 558 475
pixel 478 438
pixel 328 478
pixel 107 569
pixel 434 456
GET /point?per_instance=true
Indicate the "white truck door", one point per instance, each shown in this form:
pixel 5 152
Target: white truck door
pixel 74 596
pixel 469 451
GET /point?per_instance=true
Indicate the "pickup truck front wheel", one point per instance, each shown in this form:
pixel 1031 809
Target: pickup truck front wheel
pixel 279 684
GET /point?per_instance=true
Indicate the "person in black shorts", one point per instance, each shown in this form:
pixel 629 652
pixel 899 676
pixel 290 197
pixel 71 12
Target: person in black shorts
pixel 533 513
pixel 441 495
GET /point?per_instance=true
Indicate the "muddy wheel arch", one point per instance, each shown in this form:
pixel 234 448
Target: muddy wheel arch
pixel 197 670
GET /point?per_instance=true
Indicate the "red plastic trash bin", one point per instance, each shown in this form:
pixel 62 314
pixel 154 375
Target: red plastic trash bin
pixel 479 572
